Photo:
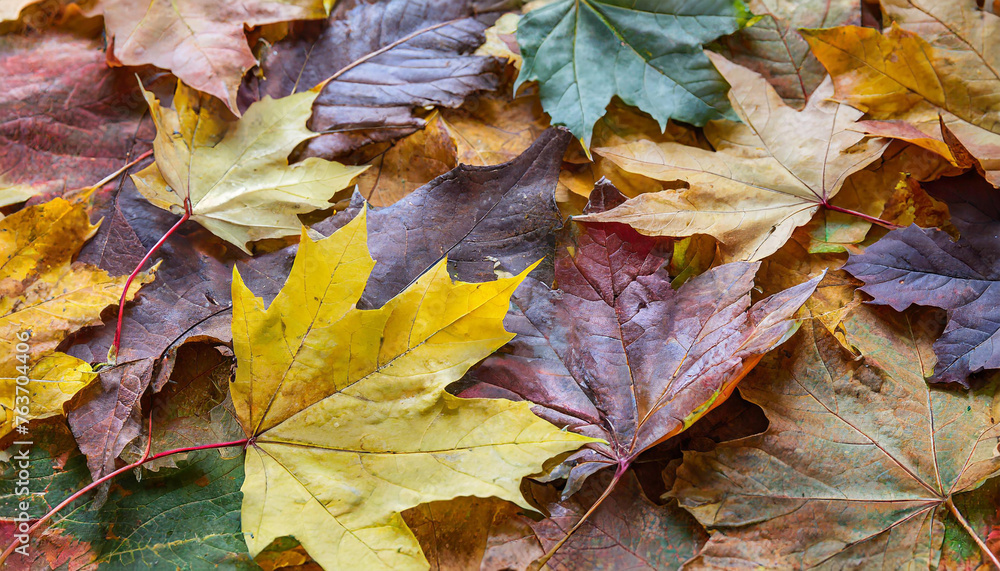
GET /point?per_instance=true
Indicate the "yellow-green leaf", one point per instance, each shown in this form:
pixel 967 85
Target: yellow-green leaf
pixel 346 409
pixel 236 172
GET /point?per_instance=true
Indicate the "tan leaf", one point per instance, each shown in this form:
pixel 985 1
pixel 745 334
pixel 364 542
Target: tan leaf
pixel 860 462
pixel 202 43
pixel 768 175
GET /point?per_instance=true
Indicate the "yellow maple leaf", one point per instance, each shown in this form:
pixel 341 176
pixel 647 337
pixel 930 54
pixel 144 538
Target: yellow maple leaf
pixel 235 172
pixel 44 297
pixel 346 412
pixel 768 175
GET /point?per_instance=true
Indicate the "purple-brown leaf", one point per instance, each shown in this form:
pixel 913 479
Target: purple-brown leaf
pixel 920 266
pixel 387 58
pixel 615 353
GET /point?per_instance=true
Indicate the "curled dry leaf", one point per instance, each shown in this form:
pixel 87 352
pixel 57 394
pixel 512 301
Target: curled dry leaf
pixel 768 175
pixel 346 412
pixel 385 59
pixel 46 297
pixel 617 354
pixel 861 458
pixel 202 43
pixel 648 54
pixel 932 67
pixel 235 175
pixel 928 267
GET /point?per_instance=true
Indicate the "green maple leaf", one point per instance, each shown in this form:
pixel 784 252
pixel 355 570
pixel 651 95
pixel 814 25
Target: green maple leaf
pixel 647 52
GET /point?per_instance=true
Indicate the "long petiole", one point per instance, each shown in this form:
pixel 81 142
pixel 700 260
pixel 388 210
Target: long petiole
pixel 619 472
pixel 146 458
pixel 116 346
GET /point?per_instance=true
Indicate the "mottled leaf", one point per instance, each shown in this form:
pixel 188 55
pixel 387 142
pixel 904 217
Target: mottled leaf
pixel 180 518
pixel 45 297
pixel 60 131
pixel 859 460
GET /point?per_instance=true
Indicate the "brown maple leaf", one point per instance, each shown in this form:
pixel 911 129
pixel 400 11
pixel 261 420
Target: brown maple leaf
pixel 861 461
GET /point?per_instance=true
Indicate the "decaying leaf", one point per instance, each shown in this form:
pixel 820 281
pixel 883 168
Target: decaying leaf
pixel 44 297
pixel 616 353
pixel 202 43
pixel 860 460
pixel 928 267
pixel 188 299
pixel 192 409
pixel 933 60
pixel 235 174
pixel 346 409
pixel 386 58
pixel 649 54
pixel 59 130
pixel 773 47
pixel 768 175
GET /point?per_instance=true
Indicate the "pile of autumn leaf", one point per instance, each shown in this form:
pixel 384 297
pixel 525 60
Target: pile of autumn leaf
pixel 440 330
